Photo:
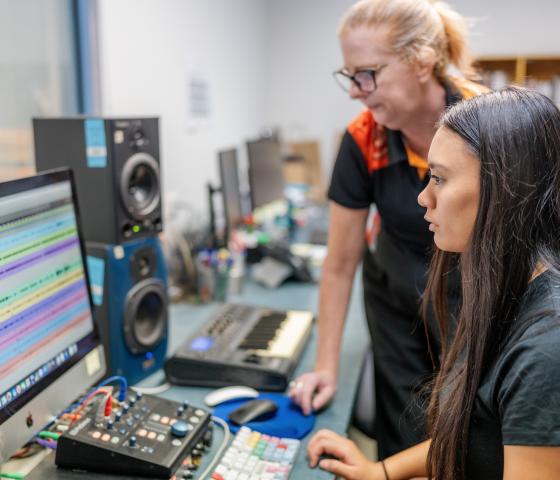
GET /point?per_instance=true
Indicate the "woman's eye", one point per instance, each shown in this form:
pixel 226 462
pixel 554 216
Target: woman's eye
pixel 437 180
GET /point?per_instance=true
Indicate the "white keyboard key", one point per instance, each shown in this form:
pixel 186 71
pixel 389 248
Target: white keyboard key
pixel 248 458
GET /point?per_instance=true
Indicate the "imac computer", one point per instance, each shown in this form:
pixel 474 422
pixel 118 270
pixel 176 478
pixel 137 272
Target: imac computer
pixel 266 178
pixel 231 192
pixel 49 348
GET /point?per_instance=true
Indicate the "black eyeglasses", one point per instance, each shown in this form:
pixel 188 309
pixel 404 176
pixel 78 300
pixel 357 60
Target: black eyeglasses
pixel 363 79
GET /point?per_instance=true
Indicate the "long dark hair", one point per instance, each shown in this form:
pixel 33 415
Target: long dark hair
pixel 515 133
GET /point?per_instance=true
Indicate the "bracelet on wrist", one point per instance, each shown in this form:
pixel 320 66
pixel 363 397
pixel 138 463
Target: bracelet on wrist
pixel 385 470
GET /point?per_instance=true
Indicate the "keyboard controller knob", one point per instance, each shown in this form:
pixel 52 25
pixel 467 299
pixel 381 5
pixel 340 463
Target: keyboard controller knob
pixel 179 429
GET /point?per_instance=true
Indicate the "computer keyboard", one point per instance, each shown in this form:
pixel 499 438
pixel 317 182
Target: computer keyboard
pixel 255 456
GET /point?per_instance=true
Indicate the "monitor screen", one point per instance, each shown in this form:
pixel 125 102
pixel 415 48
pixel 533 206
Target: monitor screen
pixel 266 179
pixel 231 193
pixel 49 348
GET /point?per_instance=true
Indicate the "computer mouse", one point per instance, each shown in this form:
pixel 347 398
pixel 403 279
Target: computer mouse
pixel 226 394
pixel 253 410
pixel 325 456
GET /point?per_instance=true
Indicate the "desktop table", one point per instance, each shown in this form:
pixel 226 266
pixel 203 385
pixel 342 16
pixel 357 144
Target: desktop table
pixel 185 319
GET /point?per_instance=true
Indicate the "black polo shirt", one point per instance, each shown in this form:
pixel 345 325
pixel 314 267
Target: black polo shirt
pixel 392 184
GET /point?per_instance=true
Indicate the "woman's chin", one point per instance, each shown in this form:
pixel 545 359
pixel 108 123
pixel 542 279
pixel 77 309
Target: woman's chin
pixel 382 117
pixel 451 247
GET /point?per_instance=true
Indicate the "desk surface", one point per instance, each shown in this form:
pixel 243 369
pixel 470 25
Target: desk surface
pixel 185 319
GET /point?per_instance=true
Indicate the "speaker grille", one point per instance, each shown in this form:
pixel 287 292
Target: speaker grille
pixel 140 190
pixel 145 317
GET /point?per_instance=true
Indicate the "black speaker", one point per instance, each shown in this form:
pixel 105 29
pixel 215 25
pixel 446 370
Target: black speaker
pixel 129 292
pixel 117 171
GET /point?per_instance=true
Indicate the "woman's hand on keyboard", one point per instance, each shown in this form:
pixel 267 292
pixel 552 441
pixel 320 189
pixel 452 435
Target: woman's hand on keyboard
pixel 313 390
pixel 341 456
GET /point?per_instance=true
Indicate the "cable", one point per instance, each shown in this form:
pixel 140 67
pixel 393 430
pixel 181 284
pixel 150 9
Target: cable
pixel 123 387
pixel 25 452
pixel 83 405
pixel 104 408
pixel 223 446
pixel 46 443
pixel 153 390
pixel 49 435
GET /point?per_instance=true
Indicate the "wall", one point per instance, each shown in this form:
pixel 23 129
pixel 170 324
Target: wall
pixel 269 62
pixel 149 49
pixel 511 27
pixel 303 51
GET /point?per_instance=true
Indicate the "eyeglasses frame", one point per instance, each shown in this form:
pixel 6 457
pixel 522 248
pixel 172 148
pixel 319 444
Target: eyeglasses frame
pixel 371 71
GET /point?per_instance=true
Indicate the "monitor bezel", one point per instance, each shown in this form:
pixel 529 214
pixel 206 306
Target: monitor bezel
pixel 251 161
pixel 222 156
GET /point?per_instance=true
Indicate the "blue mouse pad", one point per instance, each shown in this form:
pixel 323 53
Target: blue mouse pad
pixel 289 421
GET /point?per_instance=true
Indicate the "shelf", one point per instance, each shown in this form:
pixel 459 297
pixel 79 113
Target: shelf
pixel 541 73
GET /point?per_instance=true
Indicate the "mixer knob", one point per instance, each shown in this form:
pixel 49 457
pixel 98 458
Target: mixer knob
pixel 125 407
pixel 118 415
pixel 180 411
pixel 133 399
pixel 110 424
pixel 179 429
pixel 132 441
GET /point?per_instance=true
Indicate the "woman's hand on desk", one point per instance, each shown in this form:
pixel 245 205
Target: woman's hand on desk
pixel 347 462
pixel 313 390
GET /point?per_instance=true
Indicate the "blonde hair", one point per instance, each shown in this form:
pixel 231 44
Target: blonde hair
pixel 413 26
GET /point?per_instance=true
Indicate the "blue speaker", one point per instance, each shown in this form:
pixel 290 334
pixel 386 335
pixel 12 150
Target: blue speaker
pixel 129 289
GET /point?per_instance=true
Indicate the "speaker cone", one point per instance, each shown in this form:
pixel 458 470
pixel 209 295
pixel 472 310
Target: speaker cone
pixel 140 191
pixel 145 316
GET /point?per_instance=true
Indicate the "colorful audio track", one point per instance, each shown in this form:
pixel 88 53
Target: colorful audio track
pixel 44 298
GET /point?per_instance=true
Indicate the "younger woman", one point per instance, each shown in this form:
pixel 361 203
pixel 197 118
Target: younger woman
pixel 494 200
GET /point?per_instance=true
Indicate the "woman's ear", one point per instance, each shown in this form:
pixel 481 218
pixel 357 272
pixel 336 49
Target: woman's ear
pixel 425 62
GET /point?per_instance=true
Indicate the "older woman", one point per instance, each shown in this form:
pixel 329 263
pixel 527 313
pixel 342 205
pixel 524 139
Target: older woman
pixel 397 55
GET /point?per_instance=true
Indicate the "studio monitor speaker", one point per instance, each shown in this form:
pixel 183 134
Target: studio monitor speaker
pixel 129 290
pixel 117 171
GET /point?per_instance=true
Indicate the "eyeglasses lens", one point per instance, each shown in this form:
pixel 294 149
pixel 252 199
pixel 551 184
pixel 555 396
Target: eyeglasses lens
pixel 343 80
pixel 364 80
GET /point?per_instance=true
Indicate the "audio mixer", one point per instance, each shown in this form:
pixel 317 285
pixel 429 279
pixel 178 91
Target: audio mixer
pixel 145 436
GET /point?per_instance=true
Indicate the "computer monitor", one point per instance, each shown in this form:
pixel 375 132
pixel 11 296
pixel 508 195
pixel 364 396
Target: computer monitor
pixel 266 178
pixel 49 348
pixel 231 193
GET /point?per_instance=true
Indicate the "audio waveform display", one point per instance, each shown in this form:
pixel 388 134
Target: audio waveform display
pixel 44 304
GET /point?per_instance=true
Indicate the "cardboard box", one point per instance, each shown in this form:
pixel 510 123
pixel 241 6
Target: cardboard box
pixel 303 165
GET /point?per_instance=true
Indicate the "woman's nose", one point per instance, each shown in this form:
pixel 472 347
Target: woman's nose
pixel 423 198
